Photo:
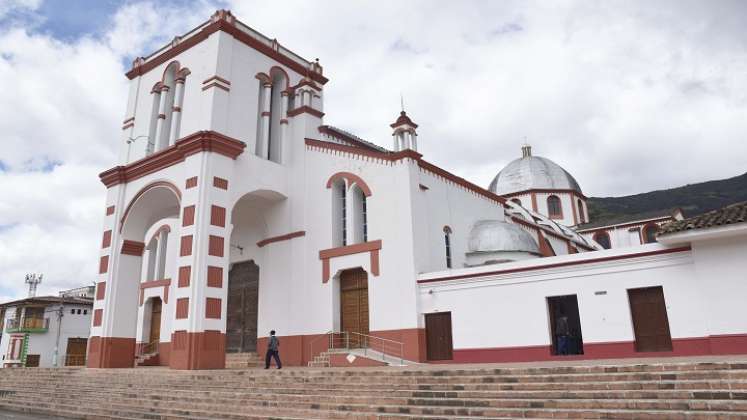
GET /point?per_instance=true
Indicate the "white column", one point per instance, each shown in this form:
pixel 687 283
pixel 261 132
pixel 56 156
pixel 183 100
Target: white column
pixel 176 112
pixel 161 121
pixel 349 215
pixel 395 145
pixel 414 138
pixel 283 127
pixel 264 139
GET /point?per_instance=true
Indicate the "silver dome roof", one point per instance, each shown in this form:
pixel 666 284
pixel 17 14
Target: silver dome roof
pixel 497 235
pixel 532 172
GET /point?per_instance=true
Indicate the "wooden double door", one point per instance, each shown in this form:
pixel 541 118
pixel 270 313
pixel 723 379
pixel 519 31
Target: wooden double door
pixel 242 309
pixel 650 322
pixel 354 305
pixel 155 321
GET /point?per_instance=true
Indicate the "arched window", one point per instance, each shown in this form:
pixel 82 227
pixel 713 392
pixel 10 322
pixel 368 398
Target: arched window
pixel 602 238
pixel 279 84
pixel 554 209
pixel 649 233
pixel 447 245
pixel 360 223
pixel 168 95
pixel 582 215
pixel 516 200
pixel 157 248
pixel 339 212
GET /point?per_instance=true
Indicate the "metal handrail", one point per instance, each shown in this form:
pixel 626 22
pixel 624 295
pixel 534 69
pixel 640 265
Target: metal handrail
pixel 315 340
pixel 142 350
pixel 345 340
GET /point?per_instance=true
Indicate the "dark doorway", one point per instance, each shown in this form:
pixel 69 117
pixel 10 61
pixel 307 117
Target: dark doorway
pixel 438 336
pixel 155 321
pixel 32 360
pixel 565 325
pixel 354 305
pixel 75 355
pixel 650 322
pixel 243 301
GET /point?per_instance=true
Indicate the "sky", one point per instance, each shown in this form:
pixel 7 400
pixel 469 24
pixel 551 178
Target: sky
pixel 627 96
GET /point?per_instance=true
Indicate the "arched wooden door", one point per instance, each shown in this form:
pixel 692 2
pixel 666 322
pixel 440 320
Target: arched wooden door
pixel 354 304
pixel 243 301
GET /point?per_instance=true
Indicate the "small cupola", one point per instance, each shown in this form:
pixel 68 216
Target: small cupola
pixel 404 134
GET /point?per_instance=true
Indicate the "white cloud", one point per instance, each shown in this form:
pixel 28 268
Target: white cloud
pixel 628 99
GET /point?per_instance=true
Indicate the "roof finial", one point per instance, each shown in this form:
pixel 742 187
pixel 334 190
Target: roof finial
pixel 402 102
pixel 526 149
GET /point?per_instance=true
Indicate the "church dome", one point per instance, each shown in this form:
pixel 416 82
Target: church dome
pixel 532 172
pixel 500 236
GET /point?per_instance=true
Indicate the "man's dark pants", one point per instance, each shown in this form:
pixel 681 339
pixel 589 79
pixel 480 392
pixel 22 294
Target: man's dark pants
pixel 272 354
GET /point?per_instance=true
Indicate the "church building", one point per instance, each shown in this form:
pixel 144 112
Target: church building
pixel 235 210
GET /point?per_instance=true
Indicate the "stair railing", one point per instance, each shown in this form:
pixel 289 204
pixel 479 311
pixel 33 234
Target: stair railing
pixel 316 342
pixel 148 348
pixel 384 346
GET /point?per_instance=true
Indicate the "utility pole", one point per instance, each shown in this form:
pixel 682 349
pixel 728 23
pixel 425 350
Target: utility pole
pixel 59 311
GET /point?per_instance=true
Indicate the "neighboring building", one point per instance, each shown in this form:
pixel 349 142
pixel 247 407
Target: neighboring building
pixel 45 331
pixel 240 212
pixel 631 230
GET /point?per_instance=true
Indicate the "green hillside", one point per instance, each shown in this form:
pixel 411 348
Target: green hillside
pixel 693 199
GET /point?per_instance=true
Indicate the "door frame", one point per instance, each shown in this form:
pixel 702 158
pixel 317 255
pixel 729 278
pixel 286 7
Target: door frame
pixel 636 343
pixel 449 351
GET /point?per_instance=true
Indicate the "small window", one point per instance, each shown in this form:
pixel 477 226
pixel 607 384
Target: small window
pixel 554 208
pixel 85 311
pixel 582 216
pixel 447 244
pixel 649 233
pixel 602 238
pixel 72 312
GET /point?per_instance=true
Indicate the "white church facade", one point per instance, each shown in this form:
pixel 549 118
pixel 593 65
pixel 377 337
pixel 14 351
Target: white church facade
pixel 234 210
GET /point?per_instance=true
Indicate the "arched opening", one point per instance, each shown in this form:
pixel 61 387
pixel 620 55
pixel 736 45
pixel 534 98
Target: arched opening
pixel 252 219
pixel 447 245
pixel 581 212
pixel 125 317
pixel 603 239
pixel 279 82
pixel 168 92
pixel 554 208
pixel 649 233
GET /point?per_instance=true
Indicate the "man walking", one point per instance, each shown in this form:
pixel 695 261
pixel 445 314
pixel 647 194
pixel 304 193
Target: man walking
pixel 563 332
pixel 272 351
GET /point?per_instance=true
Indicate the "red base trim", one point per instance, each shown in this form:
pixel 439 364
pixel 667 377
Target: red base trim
pixel 694 346
pixel 111 352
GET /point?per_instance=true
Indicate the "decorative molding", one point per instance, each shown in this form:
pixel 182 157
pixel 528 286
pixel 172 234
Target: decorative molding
pixel 280 238
pixel 220 183
pixel 372 247
pixel 215 245
pixel 152 185
pixel 190 182
pixel 351 178
pixel 165 283
pixel 544 191
pixel 103 264
pixel 214 276
pixel 100 290
pixel 134 248
pixel 218 85
pixel 185 246
pixel 201 141
pixel 305 110
pixel 218 216
pixel 188 216
pixel 185 272
pixel 106 241
pixel 556 265
pixel 141 66
pixel 110 210
pixel 218 78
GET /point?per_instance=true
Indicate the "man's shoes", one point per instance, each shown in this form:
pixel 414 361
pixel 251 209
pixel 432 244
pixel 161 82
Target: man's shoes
pixel 279 368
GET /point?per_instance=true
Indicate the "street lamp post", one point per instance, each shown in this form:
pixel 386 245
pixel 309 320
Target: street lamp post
pixel 131 140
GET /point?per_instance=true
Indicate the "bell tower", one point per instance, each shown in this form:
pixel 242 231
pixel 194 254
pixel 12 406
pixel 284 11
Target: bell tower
pixel 404 135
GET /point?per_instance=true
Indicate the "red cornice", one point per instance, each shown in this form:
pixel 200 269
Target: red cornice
pixel 350 249
pixel 555 265
pixel 201 141
pixel 305 110
pixel 408 153
pixel 132 248
pixel 285 237
pixel 239 35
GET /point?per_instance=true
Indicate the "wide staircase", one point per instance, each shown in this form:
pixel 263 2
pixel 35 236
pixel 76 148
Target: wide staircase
pixel 242 360
pixel 624 390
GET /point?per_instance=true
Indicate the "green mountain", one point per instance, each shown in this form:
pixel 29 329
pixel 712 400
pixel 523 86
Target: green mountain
pixel 693 199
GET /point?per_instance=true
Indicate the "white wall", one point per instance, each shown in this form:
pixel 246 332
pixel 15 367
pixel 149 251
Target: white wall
pixel 485 309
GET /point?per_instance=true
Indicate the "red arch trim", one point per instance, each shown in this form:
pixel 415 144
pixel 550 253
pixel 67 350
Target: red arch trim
pixel 145 189
pixel 167 228
pixel 285 74
pixel 351 178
